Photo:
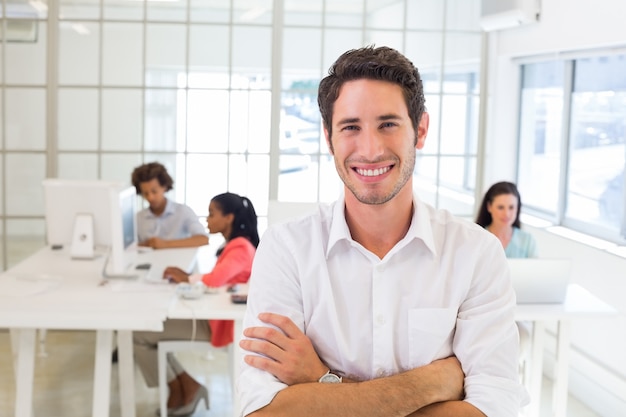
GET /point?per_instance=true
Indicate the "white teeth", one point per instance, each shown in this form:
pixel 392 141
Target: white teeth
pixel 372 172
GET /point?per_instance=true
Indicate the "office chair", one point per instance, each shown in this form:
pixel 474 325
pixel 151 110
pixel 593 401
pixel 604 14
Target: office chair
pixel 170 346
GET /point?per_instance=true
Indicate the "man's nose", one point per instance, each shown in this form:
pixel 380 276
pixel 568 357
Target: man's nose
pixel 372 144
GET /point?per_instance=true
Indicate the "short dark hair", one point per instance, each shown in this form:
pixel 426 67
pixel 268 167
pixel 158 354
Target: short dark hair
pixel 504 187
pixel 148 172
pixel 382 63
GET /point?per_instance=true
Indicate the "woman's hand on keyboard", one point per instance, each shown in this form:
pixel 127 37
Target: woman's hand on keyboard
pixel 175 274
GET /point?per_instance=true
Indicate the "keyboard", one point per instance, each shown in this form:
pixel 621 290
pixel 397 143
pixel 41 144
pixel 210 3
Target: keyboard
pixel 155 275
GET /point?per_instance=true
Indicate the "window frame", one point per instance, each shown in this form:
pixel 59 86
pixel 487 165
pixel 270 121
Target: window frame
pixel 559 216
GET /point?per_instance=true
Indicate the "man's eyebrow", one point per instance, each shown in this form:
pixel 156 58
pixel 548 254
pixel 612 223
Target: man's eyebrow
pixel 384 117
pixel 348 120
pixel 390 116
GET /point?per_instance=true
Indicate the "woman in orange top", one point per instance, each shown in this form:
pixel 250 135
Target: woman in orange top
pixel 235 218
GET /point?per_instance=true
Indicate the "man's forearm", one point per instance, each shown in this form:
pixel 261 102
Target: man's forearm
pixel 315 399
pixel 188 242
pixel 399 395
pixel 449 409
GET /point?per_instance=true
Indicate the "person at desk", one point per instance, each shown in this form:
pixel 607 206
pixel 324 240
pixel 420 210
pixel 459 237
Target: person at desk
pixel 164 223
pixel 235 218
pixel 499 214
pixel 378 304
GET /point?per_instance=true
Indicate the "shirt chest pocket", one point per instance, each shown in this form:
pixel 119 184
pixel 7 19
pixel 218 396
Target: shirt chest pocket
pixel 430 334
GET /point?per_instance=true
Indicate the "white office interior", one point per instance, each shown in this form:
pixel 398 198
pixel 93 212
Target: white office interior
pixel 223 93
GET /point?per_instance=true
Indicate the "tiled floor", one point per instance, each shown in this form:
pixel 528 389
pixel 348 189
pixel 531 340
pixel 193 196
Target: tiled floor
pixel 63 381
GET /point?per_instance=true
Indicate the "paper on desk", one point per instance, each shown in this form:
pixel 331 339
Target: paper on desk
pixel 27 285
pixel 141 285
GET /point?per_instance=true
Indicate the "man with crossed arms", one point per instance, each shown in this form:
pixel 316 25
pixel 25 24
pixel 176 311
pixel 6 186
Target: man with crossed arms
pixel 378 304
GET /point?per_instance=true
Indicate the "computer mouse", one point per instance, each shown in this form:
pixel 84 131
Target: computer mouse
pixel 190 291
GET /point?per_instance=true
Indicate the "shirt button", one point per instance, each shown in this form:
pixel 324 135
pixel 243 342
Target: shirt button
pixel 381 373
pixel 380 319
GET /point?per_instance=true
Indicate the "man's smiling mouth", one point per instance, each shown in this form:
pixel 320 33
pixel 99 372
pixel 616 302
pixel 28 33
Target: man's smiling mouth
pixel 372 172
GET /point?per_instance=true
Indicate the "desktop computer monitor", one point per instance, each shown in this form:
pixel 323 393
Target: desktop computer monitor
pixel 123 229
pixel 92 217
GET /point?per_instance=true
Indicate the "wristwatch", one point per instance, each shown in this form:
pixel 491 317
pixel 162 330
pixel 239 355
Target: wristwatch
pixel 330 378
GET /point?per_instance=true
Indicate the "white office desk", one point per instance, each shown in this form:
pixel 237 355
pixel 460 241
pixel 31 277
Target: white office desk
pixel 216 307
pixel 579 304
pixel 70 295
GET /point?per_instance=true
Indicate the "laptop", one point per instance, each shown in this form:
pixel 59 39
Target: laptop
pixel 154 275
pixel 540 280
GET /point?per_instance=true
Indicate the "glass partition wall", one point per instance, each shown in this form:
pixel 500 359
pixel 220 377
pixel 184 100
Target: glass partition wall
pixel 223 92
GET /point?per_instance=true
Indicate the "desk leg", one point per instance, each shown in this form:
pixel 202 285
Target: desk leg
pixel 126 368
pixel 102 374
pixel 236 365
pixel 25 370
pixel 15 349
pixel 43 333
pixel 559 404
pixel 536 370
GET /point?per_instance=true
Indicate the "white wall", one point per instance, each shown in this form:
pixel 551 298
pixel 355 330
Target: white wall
pixel 598 367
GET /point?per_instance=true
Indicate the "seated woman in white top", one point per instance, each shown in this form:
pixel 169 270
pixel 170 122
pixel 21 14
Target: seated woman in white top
pixel 165 223
pixel 499 214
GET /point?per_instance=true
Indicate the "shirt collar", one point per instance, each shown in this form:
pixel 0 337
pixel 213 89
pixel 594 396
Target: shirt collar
pixel 338 227
pixel 420 228
pixel 169 209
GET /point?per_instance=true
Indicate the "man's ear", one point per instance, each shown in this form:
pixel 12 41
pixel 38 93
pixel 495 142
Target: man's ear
pixel 422 131
pixel 328 142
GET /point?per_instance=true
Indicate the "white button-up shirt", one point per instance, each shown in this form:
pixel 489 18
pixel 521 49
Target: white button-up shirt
pixel 443 290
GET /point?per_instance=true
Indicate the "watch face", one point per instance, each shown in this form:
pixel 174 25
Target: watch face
pixel 330 379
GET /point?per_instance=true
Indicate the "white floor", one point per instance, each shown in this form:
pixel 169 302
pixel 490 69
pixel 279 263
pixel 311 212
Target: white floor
pixel 63 381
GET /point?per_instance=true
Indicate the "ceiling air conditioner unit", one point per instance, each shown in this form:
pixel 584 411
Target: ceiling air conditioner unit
pixel 504 14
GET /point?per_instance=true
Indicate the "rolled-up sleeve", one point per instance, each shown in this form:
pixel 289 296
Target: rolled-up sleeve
pixel 272 283
pixel 486 340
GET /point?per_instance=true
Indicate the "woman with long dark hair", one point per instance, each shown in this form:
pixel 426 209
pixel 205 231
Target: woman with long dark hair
pixel 235 218
pixel 499 214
